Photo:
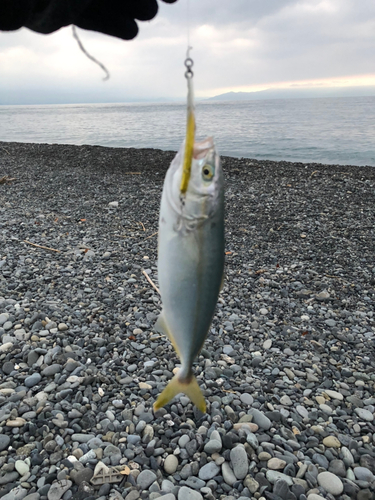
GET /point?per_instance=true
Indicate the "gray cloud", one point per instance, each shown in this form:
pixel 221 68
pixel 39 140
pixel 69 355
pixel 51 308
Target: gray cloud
pixel 237 44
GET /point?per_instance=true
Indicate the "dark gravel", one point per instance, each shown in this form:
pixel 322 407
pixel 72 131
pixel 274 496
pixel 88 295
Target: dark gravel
pixel 288 367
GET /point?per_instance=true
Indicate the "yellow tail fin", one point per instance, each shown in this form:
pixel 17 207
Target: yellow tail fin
pixel 175 386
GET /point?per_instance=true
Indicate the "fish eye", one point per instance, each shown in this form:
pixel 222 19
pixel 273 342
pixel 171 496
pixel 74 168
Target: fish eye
pixel 207 172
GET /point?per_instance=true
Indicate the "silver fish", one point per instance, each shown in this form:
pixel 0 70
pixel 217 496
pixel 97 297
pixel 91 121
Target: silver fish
pixel 190 260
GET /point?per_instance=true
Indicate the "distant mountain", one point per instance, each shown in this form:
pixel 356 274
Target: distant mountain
pixel 296 93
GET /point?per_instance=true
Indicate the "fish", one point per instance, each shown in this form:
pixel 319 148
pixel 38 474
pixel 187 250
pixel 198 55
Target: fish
pixel 190 257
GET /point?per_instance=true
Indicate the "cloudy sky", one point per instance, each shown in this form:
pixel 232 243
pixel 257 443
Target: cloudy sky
pixel 238 45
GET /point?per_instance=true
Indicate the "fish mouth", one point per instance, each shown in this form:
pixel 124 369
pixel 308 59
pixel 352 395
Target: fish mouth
pixel 202 148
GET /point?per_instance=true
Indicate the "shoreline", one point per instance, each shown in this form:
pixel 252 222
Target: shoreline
pixel 287 369
pixel 3 144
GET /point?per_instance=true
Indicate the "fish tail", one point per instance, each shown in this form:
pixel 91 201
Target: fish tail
pixel 188 386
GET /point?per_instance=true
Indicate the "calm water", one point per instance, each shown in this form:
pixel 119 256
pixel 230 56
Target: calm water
pixel 332 130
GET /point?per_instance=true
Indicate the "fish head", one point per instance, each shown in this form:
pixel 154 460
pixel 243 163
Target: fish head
pixel 205 185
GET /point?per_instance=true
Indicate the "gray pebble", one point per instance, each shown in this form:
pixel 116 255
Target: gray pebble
pixel 260 419
pixel 239 461
pixel 208 471
pixel 57 489
pixel 363 474
pixel 4 441
pixel 32 380
pixel 331 483
pixel 189 494
pixel 145 479
pixel 17 493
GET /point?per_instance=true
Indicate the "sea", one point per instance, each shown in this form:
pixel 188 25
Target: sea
pixel 318 130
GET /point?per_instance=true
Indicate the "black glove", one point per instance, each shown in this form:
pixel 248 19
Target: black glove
pixel 112 17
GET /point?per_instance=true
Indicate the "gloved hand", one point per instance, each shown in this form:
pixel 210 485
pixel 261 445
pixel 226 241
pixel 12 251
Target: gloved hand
pixel 112 17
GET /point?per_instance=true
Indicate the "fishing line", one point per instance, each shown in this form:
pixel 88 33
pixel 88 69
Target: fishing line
pixel 188 21
pixel 188 61
pixel 80 45
pixel 190 122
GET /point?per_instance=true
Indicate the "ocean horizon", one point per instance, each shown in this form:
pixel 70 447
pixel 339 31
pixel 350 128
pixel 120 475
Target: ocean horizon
pixel 334 130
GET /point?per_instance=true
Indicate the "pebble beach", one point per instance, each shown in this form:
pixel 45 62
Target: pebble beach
pixel 288 367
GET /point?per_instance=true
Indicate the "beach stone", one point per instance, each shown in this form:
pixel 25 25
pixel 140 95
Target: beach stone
pixel 215 435
pixel 32 380
pixel 183 441
pixel 16 422
pixel 21 467
pixel 302 411
pixel 186 471
pixel 188 494
pixel 260 419
pixel 132 495
pixel 51 370
pixel 191 447
pixel 267 344
pixel 208 471
pixel 58 489
pixel 247 399
pixel 169 496
pixel 363 474
pixel 8 367
pixel 368 461
pixel 273 476
pixel 82 438
pixel 364 414
pixel 331 483
pixel 167 486
pixel 4 441
pixel 251 483
pixel 285 400
pixel 326 408
pixel 334 394
pixel 9 477
pixel 365 495
pixel 17 493
pixel 6 347
pixel 32 496
pixel 331 442
pixel 3 318
pixel 170 464
pixel 195 483
pixel 110 450
pixel 281 488
pixel 145 479
pixel 276 464
pixel 321 460
pixel 347 456
pixel 82 475
pixel 228 474
pixel 213 446
pixel 239 461
pixel 337 467
pixel 252 440
pixel 315 496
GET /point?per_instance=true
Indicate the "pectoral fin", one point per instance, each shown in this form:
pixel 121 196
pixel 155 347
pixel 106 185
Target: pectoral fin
pixel 222 283
pixel 162 327
pixel 189 387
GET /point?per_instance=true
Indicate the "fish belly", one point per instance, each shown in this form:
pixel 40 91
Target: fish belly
pixel 190 269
